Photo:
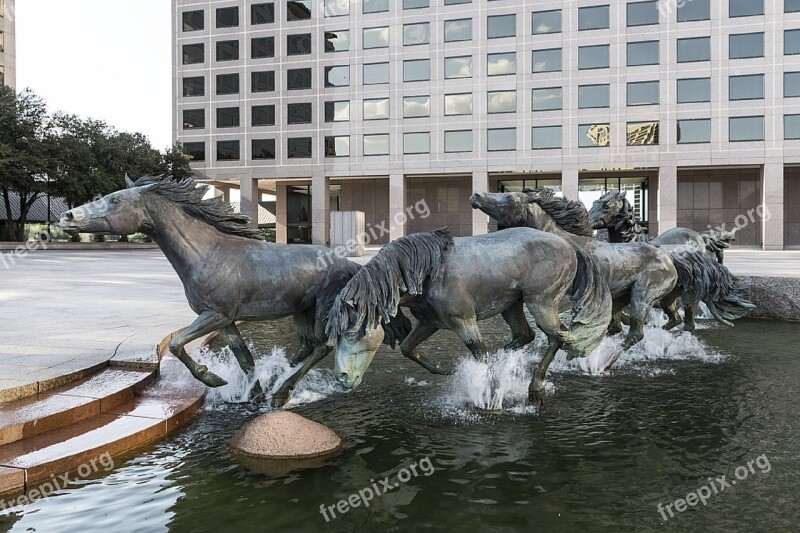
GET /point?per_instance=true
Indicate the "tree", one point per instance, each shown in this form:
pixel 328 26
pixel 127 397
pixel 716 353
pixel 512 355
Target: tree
pixel 176 163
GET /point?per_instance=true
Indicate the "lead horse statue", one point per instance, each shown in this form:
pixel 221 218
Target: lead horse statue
pixel 452 284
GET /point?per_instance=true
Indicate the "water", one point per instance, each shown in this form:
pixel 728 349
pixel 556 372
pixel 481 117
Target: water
pixel 601 456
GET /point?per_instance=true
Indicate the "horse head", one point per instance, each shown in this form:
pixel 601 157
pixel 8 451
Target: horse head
pixel 118 213
pixel 611 211
pixel 509 209
pixel 355 347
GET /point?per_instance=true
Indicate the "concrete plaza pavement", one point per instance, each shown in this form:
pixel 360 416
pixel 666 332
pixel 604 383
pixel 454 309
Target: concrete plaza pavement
pixel 69 311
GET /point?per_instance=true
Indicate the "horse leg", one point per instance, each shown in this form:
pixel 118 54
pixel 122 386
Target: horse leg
pixel 521 332
pixel 231 335
pixel 616 316
pixel 690 311
pixel 284 393
pixel 206 323
pixel 467 330
pixel 670 306
pixel 304 327
pixel 547 320
pixel 419 334
pixel 640 308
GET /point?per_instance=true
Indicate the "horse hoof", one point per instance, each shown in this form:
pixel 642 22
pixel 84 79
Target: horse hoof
pixel 444 368
pixel 278 401
pixel 689 327
pixel 212 380
pixel 536 398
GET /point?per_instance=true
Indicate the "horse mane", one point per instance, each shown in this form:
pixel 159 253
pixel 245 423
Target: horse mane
pixel 569 215
pixel 402 266
pixel 626 225
pixel 189 197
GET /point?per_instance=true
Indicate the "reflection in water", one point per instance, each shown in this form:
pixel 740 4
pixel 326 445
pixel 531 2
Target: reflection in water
pixel 601 456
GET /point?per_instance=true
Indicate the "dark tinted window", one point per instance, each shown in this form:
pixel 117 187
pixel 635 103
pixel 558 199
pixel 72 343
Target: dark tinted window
pixel 791 6
pixel 298 113
pixel 263 115
pixel 742 129
pixel 337 146
pixel 791 84
pixel 694 49
pixel 193 21
pixel 593 96
pixel 298 10
pixel 643 93
pixel 746 87
pixel 228 84
pixel 694 10
pixel 501 26
pixel 547 60
pixel 227 17
pixel 299 147
pixel 415 4
pixel 298 78
pixel 746 45
pixel 262 47
pixel 593 18
pixel 457 30
pixel 228 117
pixel 791 127
pixel 746 8
pixel 694 131
pixel 193 54
pixel 194 119
pixel 644 53
pixel 337 41
pixel 338 76
pixel 195 150
pixel 262 14
pixel 227 50
pixel 227 150
pixel 590 57
pixel 263 148
pixel 375 6
pixel 263 82
pixel 791 42
pixel 546 22
pixel 298 45
pixel 337 111
pixel 642 13
pixel 195 86
pixel 693 90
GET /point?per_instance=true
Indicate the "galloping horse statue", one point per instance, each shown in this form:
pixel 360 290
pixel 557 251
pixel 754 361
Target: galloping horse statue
pixel 452 283
pixel 228 272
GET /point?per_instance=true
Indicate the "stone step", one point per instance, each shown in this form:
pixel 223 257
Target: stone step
pixel 69 404
pixel 118 429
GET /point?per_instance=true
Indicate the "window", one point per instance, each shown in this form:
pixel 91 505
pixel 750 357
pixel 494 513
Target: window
pixel 694 10
pixel 417 70
pixel 298 45
pixel 593 96
pixel 694 131
pixel 502 64
pixel 193 54
pixel 298 147
pixel 591 57
pixel 195 86
pixel 338 146
pixel 375 37
pixel 228 117
pixel 749 87
pixel 547 60
pixel 501 139
pixel 416 106
pixel 227 150
pixel 337 41
pixel 454 2
pixel 545 137
pixel 643 53
pixel 643 93
pixel 227 50
pixel 193 21
pixel 194 119
pixel 375 6
pixel 594 135
pixel 791 42
pixel 337 111
pixel 298 79
pixel 262 82
pixel 499 26
pixel 227 84
pixel 298 113
pixel 262 14
pixel 262 115
pixel 746 45
pixel 791 127
pixel 337 8
pixel 593 18
pixel 692 90
pixel 791 6
pixel 414 34
pixel 642 13
pixel 227 17
pixel 195 150
pixel 457 30
pixel 376 73
pixel 298 10
pixel 458 104
pixel 263 149
pixel 694 49
pixel 415 4
pixel 338 76
pixel 376 144
pixel 546 22
pixel 548 99
pixel 643 133
pixel 416 143
pixel 262 47
pixel 745 8
pixel 791 84
pixel 376 109
pixel 501 102
pixel 457 141
pixel 458 67
pixel 742 129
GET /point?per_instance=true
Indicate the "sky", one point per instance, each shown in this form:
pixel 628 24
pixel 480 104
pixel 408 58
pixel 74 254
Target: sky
pixel 105 59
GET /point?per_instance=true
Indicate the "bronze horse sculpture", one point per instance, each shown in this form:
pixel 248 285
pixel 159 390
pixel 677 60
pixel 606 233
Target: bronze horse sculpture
pixel 452 283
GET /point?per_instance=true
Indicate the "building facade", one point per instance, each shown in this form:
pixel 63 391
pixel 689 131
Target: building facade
pixel 8 48
pixel 375 105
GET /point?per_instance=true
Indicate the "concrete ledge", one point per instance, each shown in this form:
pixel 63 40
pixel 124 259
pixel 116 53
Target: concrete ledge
pixel 775 298
pixel 95 246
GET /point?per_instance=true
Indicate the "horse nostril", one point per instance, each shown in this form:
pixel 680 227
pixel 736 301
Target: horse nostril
pixel 342 377
pixel 68 215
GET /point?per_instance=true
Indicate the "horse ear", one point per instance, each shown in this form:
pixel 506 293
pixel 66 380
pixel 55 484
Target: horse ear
pixel 622 194
pixel 129 182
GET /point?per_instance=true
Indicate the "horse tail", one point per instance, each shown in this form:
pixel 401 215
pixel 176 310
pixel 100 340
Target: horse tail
pixel 591 307
pixel 396 329
pixel 703 279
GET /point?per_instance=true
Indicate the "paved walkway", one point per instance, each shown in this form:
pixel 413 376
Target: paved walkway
pixel 65 311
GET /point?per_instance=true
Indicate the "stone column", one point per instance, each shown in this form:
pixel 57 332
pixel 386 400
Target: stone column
pixel 480 220
pixel 281 234
pixel 250 196
pixel 320 210
pixel 569 183
pixel 667 198
pixel 397 206
pixel 772 207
